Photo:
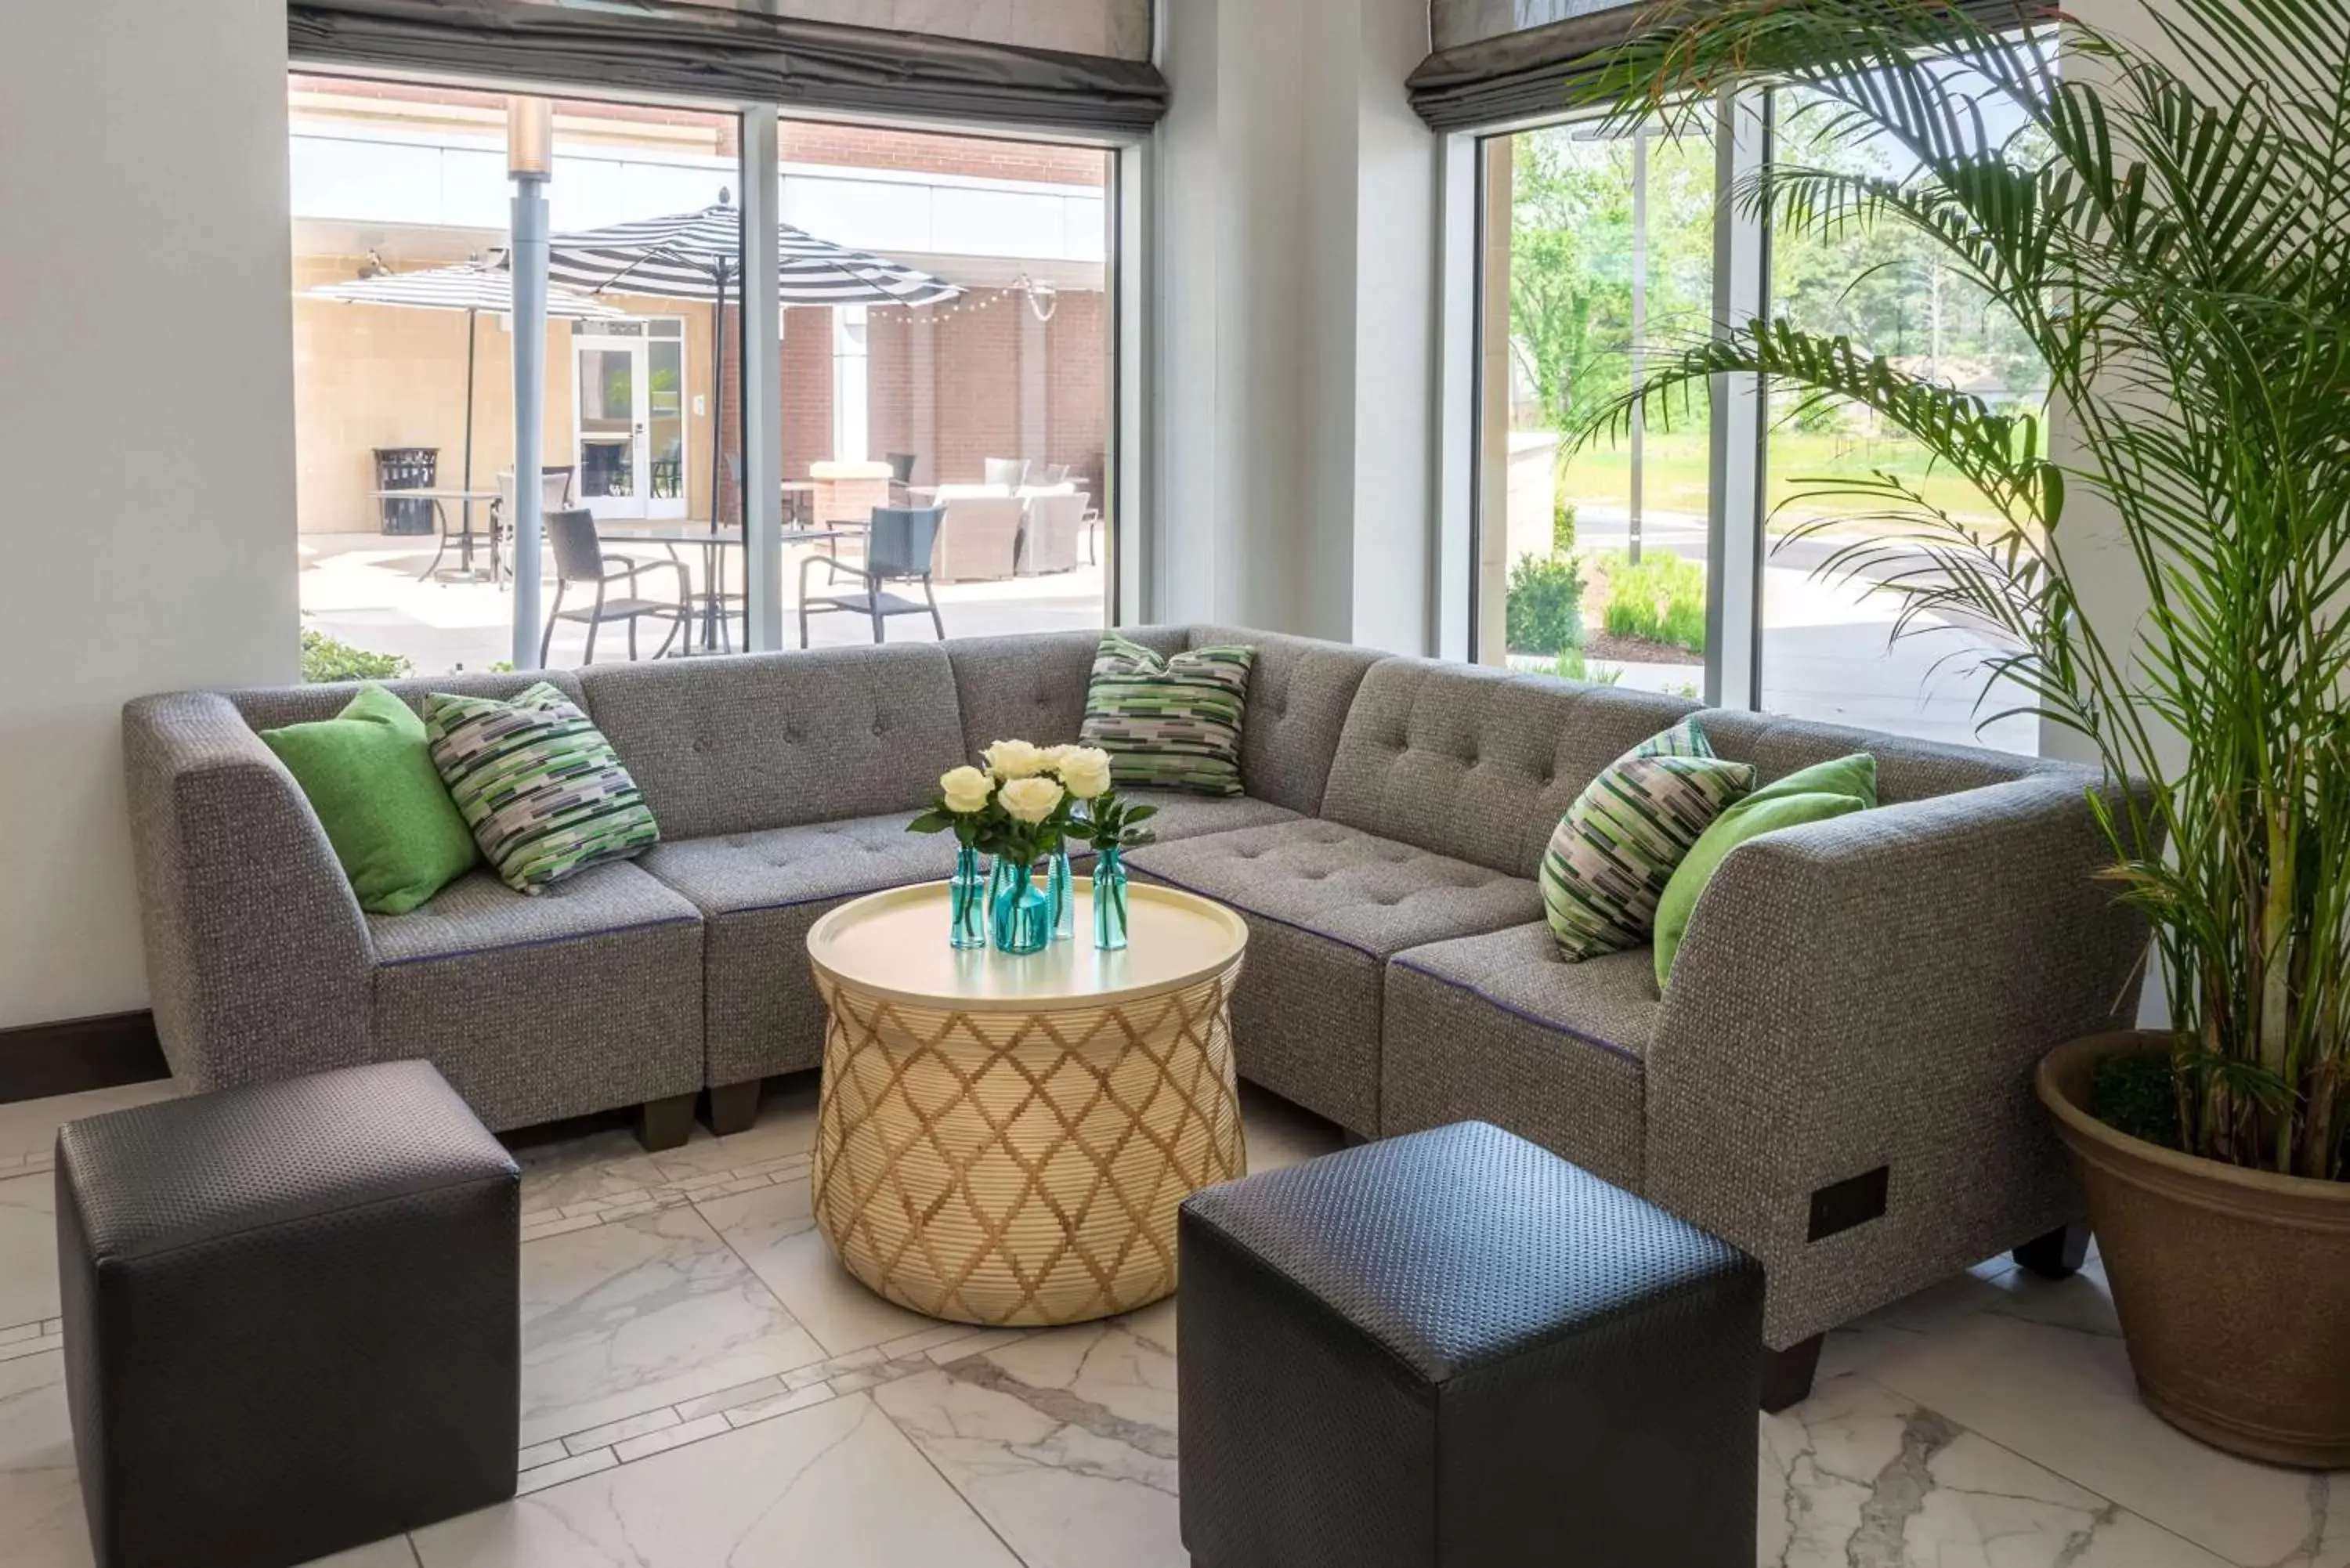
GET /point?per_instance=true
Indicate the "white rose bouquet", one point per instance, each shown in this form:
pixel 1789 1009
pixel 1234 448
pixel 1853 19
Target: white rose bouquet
pixel 1018 806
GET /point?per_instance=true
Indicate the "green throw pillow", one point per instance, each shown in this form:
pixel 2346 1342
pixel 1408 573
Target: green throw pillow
pixel 1854 776
pixel 1814 793
pixel 1172 722
pixel 540 786
pixel 1614 850
pixel 368 775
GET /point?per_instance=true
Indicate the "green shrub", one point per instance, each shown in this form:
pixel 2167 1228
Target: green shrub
pixel 1660 599
pixel 1562 524
pixel 326 659
pixel 1544 611
pixel 1573 666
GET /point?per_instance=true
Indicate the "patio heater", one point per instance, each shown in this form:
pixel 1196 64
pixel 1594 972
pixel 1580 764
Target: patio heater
pixel 530 159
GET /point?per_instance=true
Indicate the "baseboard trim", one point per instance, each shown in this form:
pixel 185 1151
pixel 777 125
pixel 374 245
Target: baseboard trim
pixel 37 1059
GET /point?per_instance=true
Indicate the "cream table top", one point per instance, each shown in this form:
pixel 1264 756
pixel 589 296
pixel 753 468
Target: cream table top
pixel 894 944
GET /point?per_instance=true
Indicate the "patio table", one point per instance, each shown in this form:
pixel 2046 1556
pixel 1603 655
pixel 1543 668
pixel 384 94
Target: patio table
pixel 713 542
pixel 440 500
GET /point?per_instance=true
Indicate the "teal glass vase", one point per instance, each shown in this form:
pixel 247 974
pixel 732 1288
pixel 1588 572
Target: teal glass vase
pixel 1019 915
pixel 967 902
pixel 1109 897
pixel 1060 895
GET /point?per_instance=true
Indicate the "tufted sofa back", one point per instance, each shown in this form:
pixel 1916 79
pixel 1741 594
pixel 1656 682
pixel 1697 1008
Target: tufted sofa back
pixel 775 739
pixel 273 707
pixel 1032 687
pixel 1905 769
pixel 1479 763
pixel 1300 692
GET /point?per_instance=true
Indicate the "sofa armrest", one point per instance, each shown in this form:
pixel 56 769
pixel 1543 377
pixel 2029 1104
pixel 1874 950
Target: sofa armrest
pixel 258 961
pixel 1873 992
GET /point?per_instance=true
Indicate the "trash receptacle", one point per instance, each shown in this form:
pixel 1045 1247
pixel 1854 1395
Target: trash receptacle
pixel 407 468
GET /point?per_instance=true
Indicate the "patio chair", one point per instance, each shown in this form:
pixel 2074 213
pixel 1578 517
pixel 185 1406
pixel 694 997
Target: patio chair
pixel 579 560
pixel 979 539
pixel 1055 473
pixel 1050 542
pixel 553 494
pixel 1008 472
pixel 898 549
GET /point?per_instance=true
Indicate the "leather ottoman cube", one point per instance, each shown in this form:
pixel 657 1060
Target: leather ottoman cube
pixel 1455 1348
pixel 291 1319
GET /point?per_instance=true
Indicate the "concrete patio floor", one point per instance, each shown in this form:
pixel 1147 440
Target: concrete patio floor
pixel 363 589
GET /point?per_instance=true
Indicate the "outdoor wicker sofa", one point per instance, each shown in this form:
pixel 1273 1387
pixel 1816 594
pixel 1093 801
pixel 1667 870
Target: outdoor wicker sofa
pixel 1838 1079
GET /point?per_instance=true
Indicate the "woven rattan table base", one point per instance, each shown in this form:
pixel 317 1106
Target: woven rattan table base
pixel 1024 1167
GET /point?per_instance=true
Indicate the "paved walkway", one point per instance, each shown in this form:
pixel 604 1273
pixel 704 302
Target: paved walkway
pixel 362 588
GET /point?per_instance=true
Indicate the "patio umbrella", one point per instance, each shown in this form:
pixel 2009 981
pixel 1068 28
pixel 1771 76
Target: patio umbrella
pixel 699 256
pixel 471 286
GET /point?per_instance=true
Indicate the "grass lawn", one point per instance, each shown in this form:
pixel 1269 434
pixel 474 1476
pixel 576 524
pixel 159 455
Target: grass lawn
pixel 1674 473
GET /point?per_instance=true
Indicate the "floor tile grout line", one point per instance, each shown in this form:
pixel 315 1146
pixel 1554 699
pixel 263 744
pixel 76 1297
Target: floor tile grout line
pixel 986 1523
pixel 2016 1453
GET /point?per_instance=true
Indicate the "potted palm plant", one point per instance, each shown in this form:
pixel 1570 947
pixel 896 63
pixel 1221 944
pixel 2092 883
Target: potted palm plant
pixel 2169 234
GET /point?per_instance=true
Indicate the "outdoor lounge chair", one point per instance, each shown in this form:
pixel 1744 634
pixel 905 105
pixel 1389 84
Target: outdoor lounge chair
pixel 579 559
pixel 897 549
pixel 553 494
pixel 979 539
pixel 1050 541
pixel 1011 473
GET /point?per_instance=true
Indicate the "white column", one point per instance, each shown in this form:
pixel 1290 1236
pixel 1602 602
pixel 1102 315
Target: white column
pixel 1734 518
pixel 763 382
pixel 529 156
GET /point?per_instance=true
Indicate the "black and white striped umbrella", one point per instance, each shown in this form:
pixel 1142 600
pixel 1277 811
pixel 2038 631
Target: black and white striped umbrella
pixel 465 285
pixel 698 256
pixel 471 286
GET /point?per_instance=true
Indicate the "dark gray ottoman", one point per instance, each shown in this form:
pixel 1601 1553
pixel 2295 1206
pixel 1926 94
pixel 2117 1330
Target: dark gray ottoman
pixel 1455 1348
pixel 291 1317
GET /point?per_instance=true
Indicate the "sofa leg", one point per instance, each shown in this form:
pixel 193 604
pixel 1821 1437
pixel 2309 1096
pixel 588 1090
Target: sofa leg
pixel 2058 1256
pixel 1787 1374
pixel 733 1107
pixel 665 1123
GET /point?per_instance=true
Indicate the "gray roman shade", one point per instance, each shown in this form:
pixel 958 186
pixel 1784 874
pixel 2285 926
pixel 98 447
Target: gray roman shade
pixel 1498 60
pixel 1502 60
pixel 725 51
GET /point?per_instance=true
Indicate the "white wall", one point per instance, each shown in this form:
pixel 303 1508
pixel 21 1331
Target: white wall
pixel 1295 320
pixel 146 421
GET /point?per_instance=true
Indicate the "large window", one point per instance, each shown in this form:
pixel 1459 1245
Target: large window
pixel 1826 651
pixel 941 328
pixel 1600 568
pixel 1695 553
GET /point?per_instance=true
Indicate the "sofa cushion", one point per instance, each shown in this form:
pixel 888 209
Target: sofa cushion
pixel 1478 763
pixel 760 892
pixel 478 914
pixel 1032 687
pixel 1501 1028
pixel 772 740
pixel 1184 815
pixel 1325 905
pixel 1299 694
pixel 1371 894
pixel 584 998
pixel 740 873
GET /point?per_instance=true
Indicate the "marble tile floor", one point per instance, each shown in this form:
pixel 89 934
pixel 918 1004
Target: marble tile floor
pixel 702 1385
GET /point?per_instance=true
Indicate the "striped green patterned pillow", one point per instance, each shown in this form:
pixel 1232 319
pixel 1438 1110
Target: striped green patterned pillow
pixel 1170 724
pixel 539 785
pixel 1612 852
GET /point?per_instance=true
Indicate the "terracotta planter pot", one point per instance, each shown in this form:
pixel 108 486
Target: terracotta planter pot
pixel 2233 1285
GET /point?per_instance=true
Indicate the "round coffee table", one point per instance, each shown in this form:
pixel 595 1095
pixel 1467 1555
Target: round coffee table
pixel 1005 1140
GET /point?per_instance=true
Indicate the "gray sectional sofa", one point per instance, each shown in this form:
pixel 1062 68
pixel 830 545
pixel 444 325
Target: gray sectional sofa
pixel 1838 1079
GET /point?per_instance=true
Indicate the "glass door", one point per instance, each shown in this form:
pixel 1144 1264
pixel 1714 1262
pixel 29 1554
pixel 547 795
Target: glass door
pixel 630 428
